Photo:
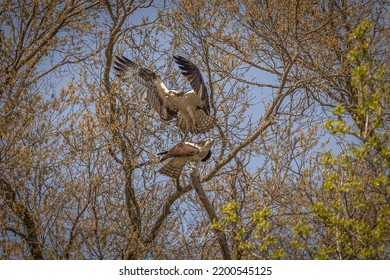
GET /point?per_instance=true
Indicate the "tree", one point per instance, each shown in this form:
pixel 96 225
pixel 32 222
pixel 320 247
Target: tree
pixel 33 114
pixel 357 180
pixel 78 160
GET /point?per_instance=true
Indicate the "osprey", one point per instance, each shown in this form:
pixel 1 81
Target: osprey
pixel 184 152
pixel 191 109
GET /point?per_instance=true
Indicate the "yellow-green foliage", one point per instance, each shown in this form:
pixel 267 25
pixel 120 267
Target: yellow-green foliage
pixel 356 181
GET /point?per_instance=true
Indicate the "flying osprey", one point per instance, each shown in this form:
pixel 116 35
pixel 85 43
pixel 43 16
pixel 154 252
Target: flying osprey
pixel 191 109
pixel 184 152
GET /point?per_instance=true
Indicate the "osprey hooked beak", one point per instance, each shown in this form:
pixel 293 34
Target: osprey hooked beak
pixel 209 141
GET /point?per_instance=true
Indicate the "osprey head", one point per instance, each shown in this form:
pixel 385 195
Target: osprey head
pixel 206 143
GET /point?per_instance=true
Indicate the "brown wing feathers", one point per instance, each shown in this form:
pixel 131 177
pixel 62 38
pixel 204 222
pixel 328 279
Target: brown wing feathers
pixel 141 80
pixel 194 77
pixel 180 150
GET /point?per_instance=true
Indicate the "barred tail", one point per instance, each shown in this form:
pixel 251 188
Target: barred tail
pixel 203 122
pixel 173 168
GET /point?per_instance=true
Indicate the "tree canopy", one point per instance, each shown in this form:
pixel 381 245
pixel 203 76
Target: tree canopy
pixel 301 157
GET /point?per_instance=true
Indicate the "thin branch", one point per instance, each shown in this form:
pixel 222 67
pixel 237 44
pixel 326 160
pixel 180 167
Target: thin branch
pixel 166 210
pixel 25 215
pixel 267 120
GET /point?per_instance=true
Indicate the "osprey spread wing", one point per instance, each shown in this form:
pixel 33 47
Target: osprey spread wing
pixel 184 152
pixel 146 83
pixel 192 108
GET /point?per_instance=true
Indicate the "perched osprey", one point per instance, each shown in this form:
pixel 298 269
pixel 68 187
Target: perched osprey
pixel 191 109
pixel 184 152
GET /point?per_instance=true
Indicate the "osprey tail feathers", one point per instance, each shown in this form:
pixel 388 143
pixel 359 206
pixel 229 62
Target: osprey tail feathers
pixel 203 122
pixel 173 168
